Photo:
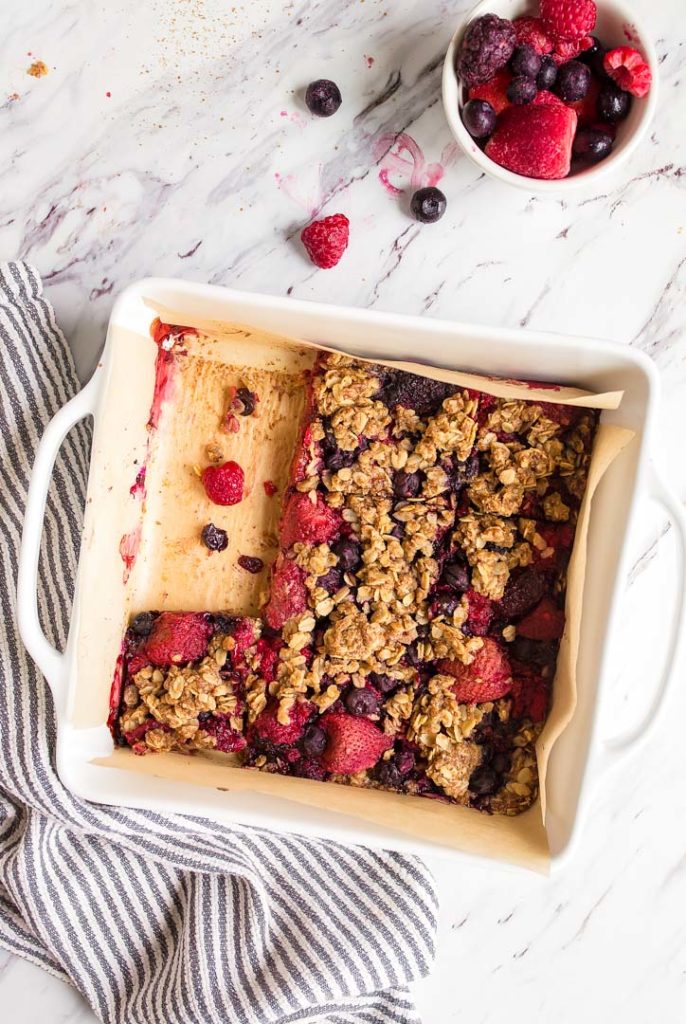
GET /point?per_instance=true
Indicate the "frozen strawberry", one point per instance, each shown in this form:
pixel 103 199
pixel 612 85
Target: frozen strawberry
pixel 224 484
pixel 534 140
pixel 494 91
pixel 267 726
pixel 587 113
pixel 530 32
pixel 568 19
pixel 176 637
pixel 307 522
pixel 545 622
pixel 530 694
pixel 628 68
pixel 489 676
pixel 326 240
pixel 352 744
pixel 287 596
pixel 479 612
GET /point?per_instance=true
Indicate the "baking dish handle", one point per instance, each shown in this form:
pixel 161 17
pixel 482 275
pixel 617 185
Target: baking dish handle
pixel 49 660
pixel 613 751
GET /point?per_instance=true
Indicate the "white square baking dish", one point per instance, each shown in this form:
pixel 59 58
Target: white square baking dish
pixel 119 392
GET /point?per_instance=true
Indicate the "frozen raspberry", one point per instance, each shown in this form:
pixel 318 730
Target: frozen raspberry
pixel 487 46
pixel 227 739
pixel 545 622
pixel 326 240
pixel 627 67
pixel 530 32
pixel 530 695
pixel 479 613
pixel 353 744
pixel 489 676
pixel 568 19
pixel 534 140
pixel 177 637
pixel 308 523
pixel 568 49
pixel 267 727
pixel 224 484
pixel 494 91
pixel 287 596
pixel 135 735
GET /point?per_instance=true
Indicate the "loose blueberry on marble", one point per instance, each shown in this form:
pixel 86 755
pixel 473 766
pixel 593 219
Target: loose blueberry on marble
pixel 428 205
pixel 323 97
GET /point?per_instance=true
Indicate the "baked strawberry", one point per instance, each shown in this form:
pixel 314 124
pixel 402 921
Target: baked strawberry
pixel 534 140
pixel 489 676
pixel 352 744
pixel 287 596
pixel 545 622
pixel 628 68
pixel 530 694
pixel 479 612
pixel 568 19
pixel 224 484
pixel 309 523
pixel 267 727
pixel 326 240
pixel 531 32
pixel 494 91
pixel 176 637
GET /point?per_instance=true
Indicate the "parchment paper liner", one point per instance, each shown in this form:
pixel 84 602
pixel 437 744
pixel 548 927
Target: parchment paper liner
pixel 520 840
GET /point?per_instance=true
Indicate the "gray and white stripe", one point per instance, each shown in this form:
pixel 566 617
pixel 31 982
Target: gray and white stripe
pixel 164 920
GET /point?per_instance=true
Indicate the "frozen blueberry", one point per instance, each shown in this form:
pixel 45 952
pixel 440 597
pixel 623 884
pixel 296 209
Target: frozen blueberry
pixel 407 485
pixel 428 205
pixel 593 56
pixel 592 144
pixel 142 624
pixel 248 400
pixel 548 74
pixel 521 90
pixel 314 742
pixel 479 118
pixel 525 61
pixel 362 702
pixel 573 80
pixel 323 97
pixel 613 103
pixel 348 552
pixel 331 581
pixel 214 538
pixel 383 682
pixel 456 576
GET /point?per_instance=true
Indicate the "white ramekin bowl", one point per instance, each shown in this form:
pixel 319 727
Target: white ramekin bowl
pixel 617 25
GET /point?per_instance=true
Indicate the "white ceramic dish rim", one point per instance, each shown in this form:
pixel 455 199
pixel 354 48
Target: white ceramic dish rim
pixel 586 179
pixel 114 785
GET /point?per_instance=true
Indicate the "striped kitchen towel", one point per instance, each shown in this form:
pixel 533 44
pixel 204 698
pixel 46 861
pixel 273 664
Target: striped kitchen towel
pixel 164 918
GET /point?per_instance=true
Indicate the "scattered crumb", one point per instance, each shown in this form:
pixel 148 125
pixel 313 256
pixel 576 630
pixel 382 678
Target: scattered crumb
pixel 38 69
pixel 13 96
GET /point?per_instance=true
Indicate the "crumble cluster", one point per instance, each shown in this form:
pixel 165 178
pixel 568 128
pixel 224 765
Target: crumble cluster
pixel 410 633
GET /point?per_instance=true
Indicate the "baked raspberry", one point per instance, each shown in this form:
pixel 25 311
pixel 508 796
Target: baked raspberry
pixel 489 676
pixel 307 522
pixel 530 32
pixel 628 68
pixel 270 488
pixel 494 91
pixel 287 596
pixel 177 637
pixel 227 739
pixel 568 19
pixel 267 727
pixel 545 622
pixel 479 613
pixel 267 650
pixel 487 46
pixel 352 744
pixel 530 694
pixel 224 484
pixel 534 140
pixel 326 240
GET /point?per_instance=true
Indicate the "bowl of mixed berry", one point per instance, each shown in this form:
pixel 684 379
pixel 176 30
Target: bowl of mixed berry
pixel 550 95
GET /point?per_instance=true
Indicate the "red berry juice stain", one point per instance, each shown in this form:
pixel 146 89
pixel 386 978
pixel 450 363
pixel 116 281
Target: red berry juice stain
pixel 137 489
pixel 128 549
pixel 369 61
pixel 398 155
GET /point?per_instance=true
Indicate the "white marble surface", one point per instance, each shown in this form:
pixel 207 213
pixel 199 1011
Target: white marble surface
pixel 203 164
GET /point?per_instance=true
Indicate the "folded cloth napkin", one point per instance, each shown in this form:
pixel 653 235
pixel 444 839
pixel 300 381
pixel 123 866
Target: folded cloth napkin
pixel 164 918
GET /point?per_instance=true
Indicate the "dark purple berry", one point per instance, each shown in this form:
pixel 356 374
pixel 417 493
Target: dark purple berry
pixel 405 761
pixel 314 742
pixel 456 576
pixel 250 564
pixel 224 624
pixel 362 702
pixel 398 531
pixel 323 97
pixel 592 144
pixel 214 538
pixel 487 46
pixel 593 56
pixel 407 485
pixel 548 74
pixel 388 775
pixel 383 683
pixel 142 624
pixel 541 653
pixel 349 554
pixel 525 61
pixel 331 581
pixel 479 118
pixel 573 80
pixel 422 394
pixel 484 781
pixel 522 593
pixel 445 604
pixel 248 400
pixel 613 103
pixel 428 205
pixel 522 90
